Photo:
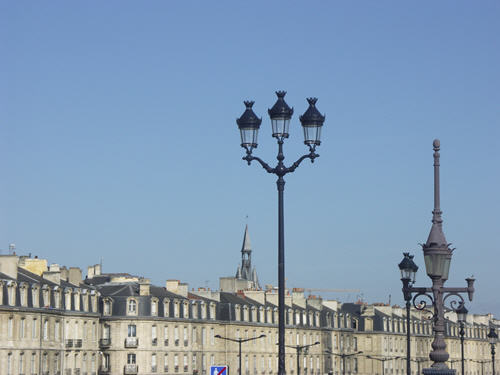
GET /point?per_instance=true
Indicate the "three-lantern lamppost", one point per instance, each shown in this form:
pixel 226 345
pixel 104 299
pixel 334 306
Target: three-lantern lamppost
pixel 249 124
pixel 299 349
pixel 343 356
pixel 437 256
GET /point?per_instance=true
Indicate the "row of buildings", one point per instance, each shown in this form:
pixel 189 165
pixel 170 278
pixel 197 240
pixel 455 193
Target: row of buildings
pixel 55 322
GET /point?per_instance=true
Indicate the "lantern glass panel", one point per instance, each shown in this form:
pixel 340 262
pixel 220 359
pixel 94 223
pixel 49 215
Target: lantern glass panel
pixel 406 274
pixel 280 127
pixel 249 137
pixel 435 265
pixel 312 135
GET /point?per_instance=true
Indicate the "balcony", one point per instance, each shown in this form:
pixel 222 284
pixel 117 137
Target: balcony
pixel 69 343
pixel 78 343
pixel 104 370
pixel 130 370
pixel 153 368
pixel 176 342
pixel 131 342
pixel 176 368
pixel 185 369
pixel 165 342
pixel 154 341
pixel 165 368
pixel 105 343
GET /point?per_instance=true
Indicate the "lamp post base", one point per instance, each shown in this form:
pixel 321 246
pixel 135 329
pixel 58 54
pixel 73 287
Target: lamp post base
pixel 438 371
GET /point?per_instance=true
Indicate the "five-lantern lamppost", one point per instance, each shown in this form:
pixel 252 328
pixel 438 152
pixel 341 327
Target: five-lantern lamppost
pixel 299 349
pixel 249 124
pixel 239 341
pixel 493 337
pixel 437 256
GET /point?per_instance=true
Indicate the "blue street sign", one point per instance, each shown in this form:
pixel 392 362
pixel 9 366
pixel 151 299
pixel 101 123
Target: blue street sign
pixel 219 370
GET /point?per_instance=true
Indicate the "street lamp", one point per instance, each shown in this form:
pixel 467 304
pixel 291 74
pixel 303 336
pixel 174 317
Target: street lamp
pixel 462 318
pixel 383 360
pixel 239 341
pixel 299 349
pixel 343 356
pixel 249 124
pixel 408 270
pixel 437 256
pixel 493 337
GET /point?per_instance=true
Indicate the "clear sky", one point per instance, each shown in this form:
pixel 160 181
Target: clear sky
pixel 118 138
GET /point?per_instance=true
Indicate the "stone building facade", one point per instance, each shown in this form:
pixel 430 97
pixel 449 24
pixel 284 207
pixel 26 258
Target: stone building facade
pixel 54 323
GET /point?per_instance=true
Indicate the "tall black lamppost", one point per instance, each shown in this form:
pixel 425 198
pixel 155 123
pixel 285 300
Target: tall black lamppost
pixel 343 356
pixel 383 360
pixel 249 124
pixel 408 270
pixel 239 341
pixel 299 349
pixel 437 256
pixel 493 337
pixel 462 318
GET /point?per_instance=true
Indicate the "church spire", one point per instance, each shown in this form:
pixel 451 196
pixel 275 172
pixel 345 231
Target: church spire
pixel 246 247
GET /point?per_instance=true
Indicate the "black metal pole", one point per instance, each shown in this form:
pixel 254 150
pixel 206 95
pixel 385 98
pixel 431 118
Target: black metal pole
pixel 343 365
pixel 239 342
pixel 281 265
pixel 493 358
pixel 408 343
pixel 298 360
pixel 462 333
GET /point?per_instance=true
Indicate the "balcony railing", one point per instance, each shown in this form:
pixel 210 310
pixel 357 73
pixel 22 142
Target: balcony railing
pixel 131 342
pixel 69 343
pixel 67 371
pixel 153 368
pixel 186 342
pixel 78 343
pixel 104 343
pixel 176 342
pixel 77 371
pixel 154 341
pixel 104 370
pixel 165 342
pixel 130 369
pixel 185 368
pixel 165 368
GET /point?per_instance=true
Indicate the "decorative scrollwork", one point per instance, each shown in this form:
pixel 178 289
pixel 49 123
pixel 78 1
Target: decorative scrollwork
pixel 459 300
pixel 421 304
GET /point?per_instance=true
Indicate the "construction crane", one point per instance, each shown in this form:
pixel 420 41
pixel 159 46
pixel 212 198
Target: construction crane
pixel 309 290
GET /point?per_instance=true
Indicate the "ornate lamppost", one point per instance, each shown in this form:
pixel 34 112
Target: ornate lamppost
pixel 408 270
pixel 493 337
pixel 462 318
pixel 437 256
pixel 299 349
pixel 239 341
pixel 249 124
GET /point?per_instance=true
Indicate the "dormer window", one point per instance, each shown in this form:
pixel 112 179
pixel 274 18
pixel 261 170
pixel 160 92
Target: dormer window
pixel 46 296
pixel 93 300
pixel 11 292
pixel 194 309
pixel 237 312
pixel 85 300
pixel 176 309
pixel 212 311
pixel 23 293
pixel 76 297
pixel 185 309
pixel 132 307
pixel 57 297
pixel 67 298
pixel 106 306
pixel 166 307
pixel 154 307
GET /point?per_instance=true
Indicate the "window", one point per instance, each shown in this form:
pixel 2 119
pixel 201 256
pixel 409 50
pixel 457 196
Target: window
pixel 203 335
pixel 153 362
pixel 85 330
pixel 33 363
pixel 92 364
pixel 176 361
pixel 165 335
pixel 131 359
pixel 9 364
pixel 185 336
pixel 94 331
pixel 212 339
pixel 45 329
pixel 165 365
pixel 185 363
pixel 33 328
pixel 131 330
pixel 45 362
pixel 56 330
pixel 10 327
pixel 84 363
pixel 21 363
pixel 106 307
pixel 132 307
pixel 195 336
pixel 154 307
pixel 176 336
pixel 194 365
pixel 154 337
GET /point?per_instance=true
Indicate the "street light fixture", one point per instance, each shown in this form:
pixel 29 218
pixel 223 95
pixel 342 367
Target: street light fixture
pixel 343 356
pixel 383 360
pixel 493 337
pixel 437 256
pixel 462 318
pixel 299 349
pixel 239 341
pixel 312 121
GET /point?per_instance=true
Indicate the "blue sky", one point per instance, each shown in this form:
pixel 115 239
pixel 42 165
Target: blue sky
pixel 118 138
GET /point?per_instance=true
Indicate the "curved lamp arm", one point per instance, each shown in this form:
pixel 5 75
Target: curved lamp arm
pixel 312 155
pixel 249 158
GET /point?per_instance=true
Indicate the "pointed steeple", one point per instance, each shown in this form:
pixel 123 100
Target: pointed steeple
pixel 246 247
pixel 238 273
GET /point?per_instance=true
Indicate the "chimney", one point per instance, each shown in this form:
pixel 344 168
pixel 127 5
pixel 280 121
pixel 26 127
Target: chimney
pixel 53 274
pixel 90 272
pixel 144 286
pixel 75 276
pixel 8 265
pixel 172 286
